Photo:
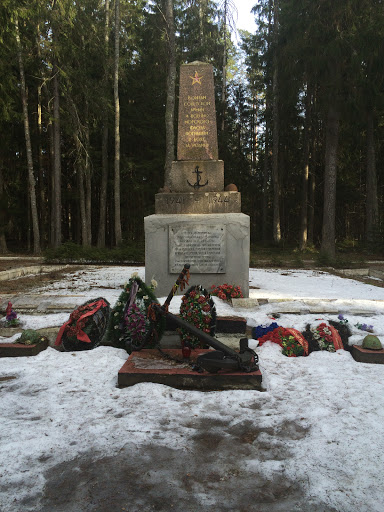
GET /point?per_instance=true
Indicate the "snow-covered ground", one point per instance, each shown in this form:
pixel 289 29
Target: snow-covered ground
pixel 312 442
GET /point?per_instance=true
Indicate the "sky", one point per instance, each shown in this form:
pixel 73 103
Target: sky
pixel 245 20
pixel 70 440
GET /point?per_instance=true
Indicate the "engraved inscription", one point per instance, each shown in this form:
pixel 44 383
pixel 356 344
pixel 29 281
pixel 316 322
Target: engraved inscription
pixel 197 137
pixel 203 247
pixel 196 121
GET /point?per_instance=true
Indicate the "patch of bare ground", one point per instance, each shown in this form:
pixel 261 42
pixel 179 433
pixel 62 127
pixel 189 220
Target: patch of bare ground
pixel 25 283
pixel 9 263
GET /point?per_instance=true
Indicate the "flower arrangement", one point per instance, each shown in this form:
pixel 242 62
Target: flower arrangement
pixel 342 319
pixel 86 326
pixel 327 337
pixel 290 340
pixel 259 331
pixel 227 292
pixel 364 327
pixel 197 308
pixel 291 346
pixel 323 335
pixel 11 319
pixel 129 322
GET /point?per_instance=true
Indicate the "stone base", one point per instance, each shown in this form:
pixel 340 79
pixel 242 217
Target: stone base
pixel 19 349
pixel 198 202
pixel 184 178
pixel 363 355
pixel 160 257
pixel 150 366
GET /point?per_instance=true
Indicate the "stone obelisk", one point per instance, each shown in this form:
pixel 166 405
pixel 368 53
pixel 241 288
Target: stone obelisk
pixel 197 221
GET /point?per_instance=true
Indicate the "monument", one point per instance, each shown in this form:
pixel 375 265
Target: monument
pixel 197 221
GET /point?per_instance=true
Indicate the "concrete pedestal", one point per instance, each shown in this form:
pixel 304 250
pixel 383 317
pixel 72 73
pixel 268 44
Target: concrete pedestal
pixel 215 245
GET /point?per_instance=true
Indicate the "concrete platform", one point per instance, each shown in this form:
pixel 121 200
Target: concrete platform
pixel 20 350
pixel 363 355
pixel 150 366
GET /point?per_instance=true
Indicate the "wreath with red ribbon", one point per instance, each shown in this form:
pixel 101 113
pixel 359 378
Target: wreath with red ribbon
pixel 291 341
pixel 86 326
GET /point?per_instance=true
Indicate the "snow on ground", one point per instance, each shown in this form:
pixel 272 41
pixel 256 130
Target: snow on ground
pixel 312 442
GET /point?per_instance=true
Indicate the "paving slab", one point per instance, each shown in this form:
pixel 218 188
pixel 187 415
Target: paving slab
pixel 150 366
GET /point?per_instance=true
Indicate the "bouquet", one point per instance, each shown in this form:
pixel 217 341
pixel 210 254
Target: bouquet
pixel 227 292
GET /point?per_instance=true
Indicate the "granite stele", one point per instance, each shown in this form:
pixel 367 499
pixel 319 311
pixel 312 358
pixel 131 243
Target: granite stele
pixel 197 221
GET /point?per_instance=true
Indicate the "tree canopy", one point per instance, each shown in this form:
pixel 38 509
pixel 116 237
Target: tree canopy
pixel 299 104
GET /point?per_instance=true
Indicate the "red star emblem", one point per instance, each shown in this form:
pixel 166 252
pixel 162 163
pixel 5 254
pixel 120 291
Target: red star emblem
pixel 196 79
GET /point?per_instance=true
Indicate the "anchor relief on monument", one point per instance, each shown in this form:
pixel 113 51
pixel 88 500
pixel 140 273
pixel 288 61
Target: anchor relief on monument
pixel 197 184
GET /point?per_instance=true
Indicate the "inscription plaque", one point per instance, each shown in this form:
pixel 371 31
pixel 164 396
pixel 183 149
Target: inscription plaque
pixel 198 202
pixel 202 246
pixel 197 135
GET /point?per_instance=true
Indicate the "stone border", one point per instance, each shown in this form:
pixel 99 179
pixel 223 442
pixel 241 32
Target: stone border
pixel 5 275
pixel 19 349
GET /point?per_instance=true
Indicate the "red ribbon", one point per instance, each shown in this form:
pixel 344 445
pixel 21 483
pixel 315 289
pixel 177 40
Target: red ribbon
pixel 80 334
pixel 300 338
pixel 336 340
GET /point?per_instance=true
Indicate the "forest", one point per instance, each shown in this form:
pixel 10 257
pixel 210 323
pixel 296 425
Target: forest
pixel 88 117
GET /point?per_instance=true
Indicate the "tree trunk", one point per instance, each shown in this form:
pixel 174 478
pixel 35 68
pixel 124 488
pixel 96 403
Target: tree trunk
pixel 224 87
pixel 311 206
pixel 118 235
pixel 56 158
pixel 31 176
pixel 254 132
pixel 82 201
pixel 170 105
pixel 56 192
pixel 3 211
pixel 314 128
pixel 328 247
pixel 304 190
pixel 88 187
pixel 104 144
pixel 372 205
pixel 275 150
pixel 265 194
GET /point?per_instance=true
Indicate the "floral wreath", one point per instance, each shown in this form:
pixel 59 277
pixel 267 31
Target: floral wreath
pixel 292 341
pixel 197 307
pixel 86 326
pixel 326 337
pixel 129 323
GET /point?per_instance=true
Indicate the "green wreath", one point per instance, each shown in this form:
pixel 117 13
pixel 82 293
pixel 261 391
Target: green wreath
pixel 197 308
pixel 129 323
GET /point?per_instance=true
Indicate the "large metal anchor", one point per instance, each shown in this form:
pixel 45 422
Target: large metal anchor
pixel 223 357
